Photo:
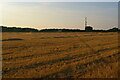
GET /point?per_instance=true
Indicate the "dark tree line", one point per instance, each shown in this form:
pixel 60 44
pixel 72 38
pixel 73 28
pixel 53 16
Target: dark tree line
pixel 60 30
pixel 15 29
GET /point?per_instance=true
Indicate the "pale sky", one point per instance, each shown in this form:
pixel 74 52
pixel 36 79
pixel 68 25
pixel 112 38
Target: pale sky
pixel 41 15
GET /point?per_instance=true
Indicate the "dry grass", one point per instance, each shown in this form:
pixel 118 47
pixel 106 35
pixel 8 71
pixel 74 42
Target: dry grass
pixel 60 55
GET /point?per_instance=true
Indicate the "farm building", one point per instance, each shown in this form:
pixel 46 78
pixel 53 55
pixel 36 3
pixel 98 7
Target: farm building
pixel 88 28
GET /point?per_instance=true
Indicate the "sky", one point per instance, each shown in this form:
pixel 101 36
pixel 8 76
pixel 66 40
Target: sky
pixel 42 15
pixel 59 0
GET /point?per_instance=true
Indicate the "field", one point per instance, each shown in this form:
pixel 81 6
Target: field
pixel 60 55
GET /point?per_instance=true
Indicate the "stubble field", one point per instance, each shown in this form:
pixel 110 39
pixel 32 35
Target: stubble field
pixel 60 55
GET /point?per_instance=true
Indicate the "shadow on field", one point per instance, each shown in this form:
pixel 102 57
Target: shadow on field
pixel 12 39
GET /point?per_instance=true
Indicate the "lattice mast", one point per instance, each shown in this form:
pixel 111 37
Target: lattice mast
pixel 85 22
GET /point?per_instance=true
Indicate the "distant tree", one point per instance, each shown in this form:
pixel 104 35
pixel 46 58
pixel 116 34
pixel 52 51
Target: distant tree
pixel 15 29
pixel 114 30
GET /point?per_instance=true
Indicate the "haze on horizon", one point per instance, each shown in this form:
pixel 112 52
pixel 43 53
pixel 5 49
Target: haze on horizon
pixel 42 15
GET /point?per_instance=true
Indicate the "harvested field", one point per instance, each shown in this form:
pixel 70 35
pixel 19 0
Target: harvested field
pixel 60 55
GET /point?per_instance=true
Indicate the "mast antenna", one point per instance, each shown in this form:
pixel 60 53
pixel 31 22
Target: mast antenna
pixel 85 21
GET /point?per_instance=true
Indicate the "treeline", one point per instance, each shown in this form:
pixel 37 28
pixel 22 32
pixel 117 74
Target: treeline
pixel 78 30
pixel 60 30
pixel 15 29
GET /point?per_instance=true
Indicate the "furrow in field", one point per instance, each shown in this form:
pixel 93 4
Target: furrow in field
pixel 82 68
pixel 65 59
pixel 24 61
pixel 56 52
pixel 87 61
pixel 75 36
